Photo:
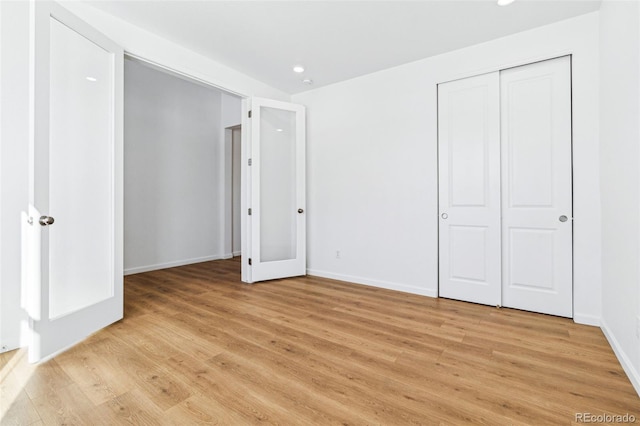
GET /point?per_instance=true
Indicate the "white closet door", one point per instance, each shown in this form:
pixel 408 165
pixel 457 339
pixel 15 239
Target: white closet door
pixel 536 187
pixel 469 190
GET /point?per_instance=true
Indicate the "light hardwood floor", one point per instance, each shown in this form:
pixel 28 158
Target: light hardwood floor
pixel 197 346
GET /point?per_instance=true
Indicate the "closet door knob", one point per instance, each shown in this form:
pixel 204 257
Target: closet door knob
pixel 300 211
pixel 563 218
pixel 444 215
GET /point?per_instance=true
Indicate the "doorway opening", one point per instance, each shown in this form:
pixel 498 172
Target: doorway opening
pixel 178 174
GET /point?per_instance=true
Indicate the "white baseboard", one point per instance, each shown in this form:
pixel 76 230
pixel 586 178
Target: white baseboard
pixel 173 264
pixel 627 365
pixel 586 319
pixel 374 283
pixel 237 253
pixel 9 346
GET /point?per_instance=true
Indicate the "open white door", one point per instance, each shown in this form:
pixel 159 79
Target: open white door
pixel 276 205
pixel 75 284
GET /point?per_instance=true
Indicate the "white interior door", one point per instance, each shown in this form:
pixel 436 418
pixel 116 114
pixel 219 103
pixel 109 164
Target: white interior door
pixel 469 189
pixel 277 201
pixel 76 182
pixel 536 187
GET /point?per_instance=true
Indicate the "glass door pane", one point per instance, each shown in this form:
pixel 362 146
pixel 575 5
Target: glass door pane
pixel 81 117
pixel 278 208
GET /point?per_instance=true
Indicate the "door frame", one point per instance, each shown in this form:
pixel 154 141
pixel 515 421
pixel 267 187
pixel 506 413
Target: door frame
pixel 507 66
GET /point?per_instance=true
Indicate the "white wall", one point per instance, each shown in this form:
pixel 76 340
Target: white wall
pixel 14 137
pixel 173 162
pixel 620 179
pixel 372 158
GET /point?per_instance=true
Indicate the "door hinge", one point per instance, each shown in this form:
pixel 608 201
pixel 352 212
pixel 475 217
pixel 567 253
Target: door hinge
pixel 249 113
pixel 249 161
pixel 249 212
pixel 249 261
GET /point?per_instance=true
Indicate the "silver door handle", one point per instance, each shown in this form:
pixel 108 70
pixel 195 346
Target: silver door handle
pixel 563 218
pixel 300 211
pixel 444 215
pixel 46 220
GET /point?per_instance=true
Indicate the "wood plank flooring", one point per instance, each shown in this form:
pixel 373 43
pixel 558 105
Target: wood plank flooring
pixel 197 346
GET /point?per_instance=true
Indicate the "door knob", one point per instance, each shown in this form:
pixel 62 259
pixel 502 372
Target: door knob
pixel 563 218
pixel 46 220
pixel 300 211
pixel 444 215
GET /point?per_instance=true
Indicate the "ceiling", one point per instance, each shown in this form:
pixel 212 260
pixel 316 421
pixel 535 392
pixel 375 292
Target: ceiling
pixel 334 40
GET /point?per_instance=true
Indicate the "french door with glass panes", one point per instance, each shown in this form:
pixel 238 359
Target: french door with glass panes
pixel 72 258
pixel 276 216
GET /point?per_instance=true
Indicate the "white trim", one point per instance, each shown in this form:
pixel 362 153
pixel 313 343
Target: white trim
pixel 179 74
pixel 555 54
pixel 173 264
pixel 245 191
pixel 236 253
pixel 586 319
pixel 374 283
pixel 627 365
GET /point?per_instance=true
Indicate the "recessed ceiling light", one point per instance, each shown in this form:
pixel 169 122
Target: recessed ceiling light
pixel 298 69
pixel 92 79
pixel 504 2
pixel 307 81
pixel 279 130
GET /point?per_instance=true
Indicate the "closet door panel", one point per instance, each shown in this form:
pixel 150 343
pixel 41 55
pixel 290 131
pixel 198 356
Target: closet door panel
pixel 536 187
pixel 469 189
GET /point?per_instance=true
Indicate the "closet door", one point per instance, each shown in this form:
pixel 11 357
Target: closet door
pixel 469 189
pixel 536 187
